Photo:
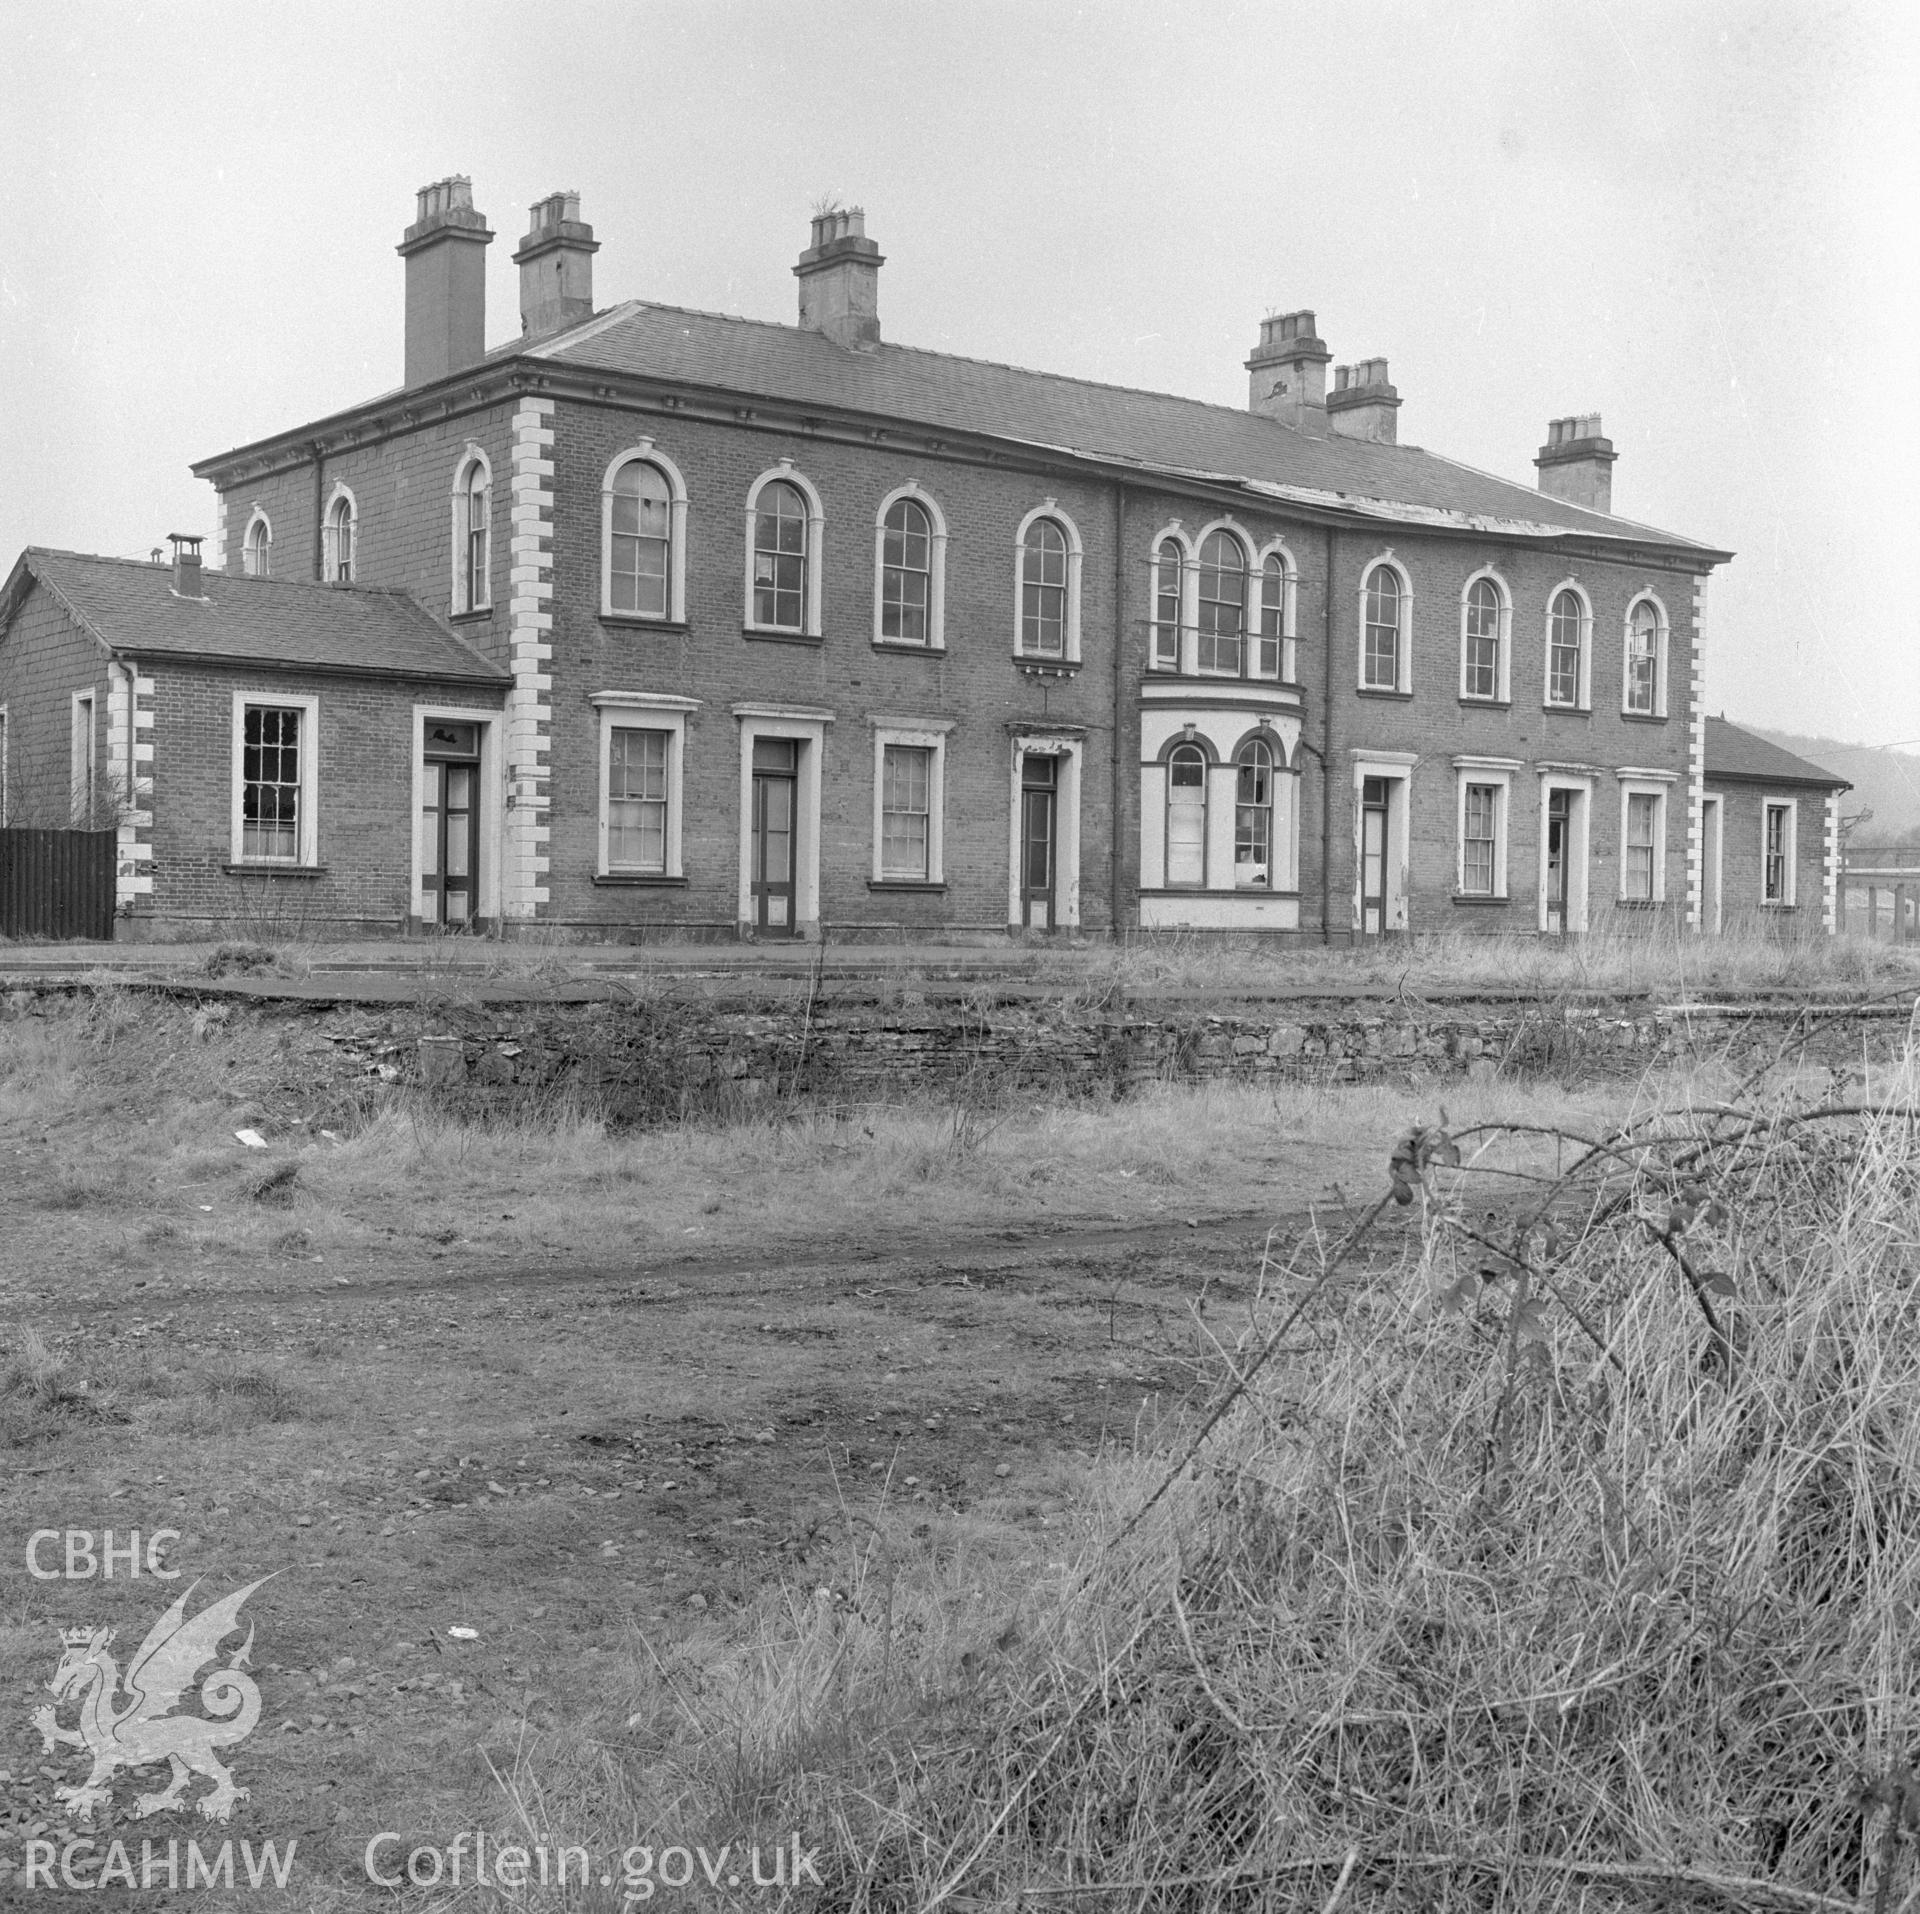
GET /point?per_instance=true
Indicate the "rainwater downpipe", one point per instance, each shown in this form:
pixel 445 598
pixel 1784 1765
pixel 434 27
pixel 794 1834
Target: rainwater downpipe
pixel 319 512
pixel 1120 641
pixel 1326 758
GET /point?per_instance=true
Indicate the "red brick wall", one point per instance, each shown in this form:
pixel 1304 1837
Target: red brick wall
pixel 1439 725
pixel 403 490
pixel 1742 881
pixel 364 816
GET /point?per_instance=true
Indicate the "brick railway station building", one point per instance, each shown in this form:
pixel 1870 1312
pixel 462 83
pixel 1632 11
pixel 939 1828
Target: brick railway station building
pixel 660 624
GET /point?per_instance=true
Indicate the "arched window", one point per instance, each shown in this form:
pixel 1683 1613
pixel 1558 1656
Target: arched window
pixel 339 539
pixel 780 557
pixel 906 573
pixel 1043 590
pixel 1186 816
pixel 1168 577
pixel 256 554
pixel 1272 655
pixel 1222 605
pixel 1566 650
pixel 1480 660
pixel 1643 660
pixel 640 541
pixel 1253 817
pixel 1380 655
pixel 473 536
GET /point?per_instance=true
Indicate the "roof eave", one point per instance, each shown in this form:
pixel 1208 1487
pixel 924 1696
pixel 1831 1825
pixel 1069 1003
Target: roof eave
pixel 407 674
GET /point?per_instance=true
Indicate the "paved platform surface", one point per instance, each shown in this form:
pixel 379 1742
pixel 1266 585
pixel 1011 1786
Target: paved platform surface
pixel 482 971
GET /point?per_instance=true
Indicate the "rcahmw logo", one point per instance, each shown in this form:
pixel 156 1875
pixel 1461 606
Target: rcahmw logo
pixel 80 1865
pixel 78 1561
pixel 129 1721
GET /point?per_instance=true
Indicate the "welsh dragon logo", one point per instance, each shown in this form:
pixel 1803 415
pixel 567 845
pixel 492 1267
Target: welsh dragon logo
pixel 128 1722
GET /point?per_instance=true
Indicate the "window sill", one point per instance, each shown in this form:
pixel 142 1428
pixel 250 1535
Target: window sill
pixel 1773 903
pixel 1046 667
pixel 638 880
pixel 1471 703
pixel 767 635
pixel 1474 900
pixel 1249 891
pixel 470 616
pixel 1568 710
pixel 1642 717
pixel 1382 691
pixel 935 888
pixel 908 646
pixel 635 621
pixel 265 867
pixel 1639 903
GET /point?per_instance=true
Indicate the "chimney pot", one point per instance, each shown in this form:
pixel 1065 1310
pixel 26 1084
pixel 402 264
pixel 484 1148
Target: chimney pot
pixel 1576 463
pixel 556 266
pixel 445 249
pixel 839 277
pixel 186 564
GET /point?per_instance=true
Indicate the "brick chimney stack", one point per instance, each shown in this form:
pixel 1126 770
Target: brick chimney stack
pixel 1576 463
pixel 186 565
pixel 839 278
pixel 1287 375
pixel 446 253
pixel 1362 403
pixel 556 266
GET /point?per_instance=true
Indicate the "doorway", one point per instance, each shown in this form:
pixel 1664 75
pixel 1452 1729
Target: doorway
pixel 776 790
pixel 1039 835
pixel 450 825
pixel 1374 817
pixel 1559 859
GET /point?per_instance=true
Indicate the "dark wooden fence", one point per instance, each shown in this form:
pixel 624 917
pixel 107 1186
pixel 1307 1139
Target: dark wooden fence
pixel 57 883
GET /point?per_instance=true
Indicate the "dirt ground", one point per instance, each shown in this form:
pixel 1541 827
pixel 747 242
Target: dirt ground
pixel 415 1423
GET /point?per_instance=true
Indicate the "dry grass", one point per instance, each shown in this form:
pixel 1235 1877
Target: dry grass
pixel 1574 1569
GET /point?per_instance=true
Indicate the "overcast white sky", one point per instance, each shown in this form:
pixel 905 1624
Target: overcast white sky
pixel 1697 219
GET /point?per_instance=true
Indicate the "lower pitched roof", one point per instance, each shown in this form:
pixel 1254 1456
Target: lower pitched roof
pixel 1740 755
pixel 133 608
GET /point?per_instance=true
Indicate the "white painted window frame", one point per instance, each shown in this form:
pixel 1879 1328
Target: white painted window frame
pixel 1659 710
pixel 642 711
pixel 1071 752
pixel 308 705
pixel 1403 651
pixel 1713 835
pixel 258 523
pixel 1503 662
pixel 342 494
pixel 810 607
pixel 919 734
pixel 1790 872
pixel 490 721
pixel 1497 774
pixel 1289 611
pixel 937 568
pixel 1249 604
pixel 1183 635
pixel 1070 638
pixel 650 454
pixel 1640 782
pixel 470 456
pixel 1584 700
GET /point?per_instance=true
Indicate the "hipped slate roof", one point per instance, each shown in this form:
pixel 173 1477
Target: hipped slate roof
pixel 1734 753
pixel 132 608
pixel 1154 431
pixel 1147 433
